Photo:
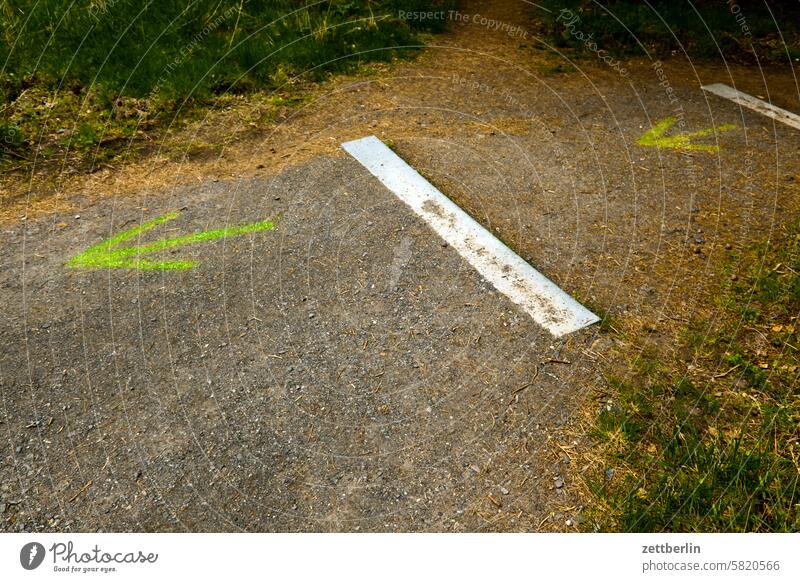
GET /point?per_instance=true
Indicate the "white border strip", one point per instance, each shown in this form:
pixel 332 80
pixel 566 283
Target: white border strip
pixel 754 103
pixel 546 303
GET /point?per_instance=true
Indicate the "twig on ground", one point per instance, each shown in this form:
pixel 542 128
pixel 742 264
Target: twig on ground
pixel 727 372
pixel 83 489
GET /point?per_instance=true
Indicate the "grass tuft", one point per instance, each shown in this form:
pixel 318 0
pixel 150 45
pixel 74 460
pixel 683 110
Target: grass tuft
pixel 712 446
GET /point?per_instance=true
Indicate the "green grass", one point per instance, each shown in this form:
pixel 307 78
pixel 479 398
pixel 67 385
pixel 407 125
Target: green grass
pixel 714 446
pixel 85 75
pixel 703 28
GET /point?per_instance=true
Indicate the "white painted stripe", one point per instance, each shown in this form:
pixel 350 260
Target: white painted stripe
pixel 546 303
pixel 754 103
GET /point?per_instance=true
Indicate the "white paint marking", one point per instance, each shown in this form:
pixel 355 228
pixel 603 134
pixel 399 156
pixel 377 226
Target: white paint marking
pixel 754 103
pixel 546 303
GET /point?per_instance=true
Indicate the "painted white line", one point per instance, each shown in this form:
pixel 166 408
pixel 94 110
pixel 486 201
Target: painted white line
pixel 546 303
pixel 754 103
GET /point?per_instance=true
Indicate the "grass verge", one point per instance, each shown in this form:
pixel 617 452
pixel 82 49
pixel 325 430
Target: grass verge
pixel 745 31
pixel 709 440
pixel 83 80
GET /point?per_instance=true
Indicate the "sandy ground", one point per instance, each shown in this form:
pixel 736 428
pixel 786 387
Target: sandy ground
pixel 346 371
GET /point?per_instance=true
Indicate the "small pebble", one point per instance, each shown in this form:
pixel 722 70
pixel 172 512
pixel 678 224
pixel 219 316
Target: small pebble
pixel 503 490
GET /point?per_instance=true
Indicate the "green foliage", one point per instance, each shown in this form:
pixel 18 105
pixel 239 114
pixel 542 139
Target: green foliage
pixel 701 28
pixel 78 76
pixel 195 48
pixel 86 136
pixel 715 487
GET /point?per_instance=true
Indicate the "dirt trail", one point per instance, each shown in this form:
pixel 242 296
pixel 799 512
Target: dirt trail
pixel 548 161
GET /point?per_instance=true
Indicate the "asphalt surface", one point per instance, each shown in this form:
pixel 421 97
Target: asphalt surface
pixel 344 371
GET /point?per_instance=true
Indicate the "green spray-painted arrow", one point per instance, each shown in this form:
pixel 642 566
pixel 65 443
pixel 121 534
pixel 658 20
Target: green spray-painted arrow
pixel 108 254
pixel 655 137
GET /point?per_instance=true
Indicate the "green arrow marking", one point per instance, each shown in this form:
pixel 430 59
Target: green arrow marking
pixel 108 254
pixel 655 137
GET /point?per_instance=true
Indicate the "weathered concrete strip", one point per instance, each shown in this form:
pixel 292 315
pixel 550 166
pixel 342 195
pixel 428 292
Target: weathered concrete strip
pixel 546 303
pixel 754 103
